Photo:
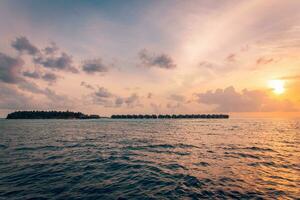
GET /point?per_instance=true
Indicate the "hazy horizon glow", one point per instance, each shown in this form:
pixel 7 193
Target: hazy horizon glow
pixel 138 56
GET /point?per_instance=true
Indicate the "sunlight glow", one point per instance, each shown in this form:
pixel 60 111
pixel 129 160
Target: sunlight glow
pixel 277 86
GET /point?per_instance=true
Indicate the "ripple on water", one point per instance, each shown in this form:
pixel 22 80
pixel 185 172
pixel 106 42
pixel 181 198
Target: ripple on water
pixel 202 164
pixel 161 149
pixel 149 159
pixel 253 148
pixel 242 155
pixel 2 146
pixel 39 148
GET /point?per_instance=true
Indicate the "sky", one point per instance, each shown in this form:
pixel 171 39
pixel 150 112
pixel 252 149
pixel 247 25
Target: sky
pixel 150 57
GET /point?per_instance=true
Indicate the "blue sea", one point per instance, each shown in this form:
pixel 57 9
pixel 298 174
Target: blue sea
pixel 150 159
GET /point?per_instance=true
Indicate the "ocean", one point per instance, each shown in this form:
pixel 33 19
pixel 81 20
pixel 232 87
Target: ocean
pixel 235 158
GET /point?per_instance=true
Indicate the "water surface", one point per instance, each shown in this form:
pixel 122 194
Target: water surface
pixel 150 159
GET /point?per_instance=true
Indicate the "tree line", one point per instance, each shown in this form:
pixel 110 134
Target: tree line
pixel 79 115
pixel 49 115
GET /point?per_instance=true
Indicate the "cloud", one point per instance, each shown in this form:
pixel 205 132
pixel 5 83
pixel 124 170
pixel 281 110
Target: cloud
pixel 172 105
pixel 35 89
pixel 10 73
pixel 103 93
pixel 149 95
pixel 48 57
pixel 229 100
pixel 157 108
pixel 34 74
pixel 51 49
pixel 56 98
pixel 231 58
pixel 50 77
pixel 218 68
pixel 30 87
pixel 12 99
pixel 152 60
pixel 94 66
pixel 86 85
pixel 61 62
pixel 119 101
pixel 296 77
pixel 264 61
pixel 53 99
pixel 103 97
pixel 207 64
pixel 10 68
pixel 132 100
pixel 22 44
pixel 176 97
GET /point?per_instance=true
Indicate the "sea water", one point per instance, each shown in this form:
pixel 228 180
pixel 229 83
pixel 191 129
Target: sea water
pixel 150 159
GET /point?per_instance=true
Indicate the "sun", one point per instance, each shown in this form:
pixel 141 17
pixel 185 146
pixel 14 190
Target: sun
pixel 277 86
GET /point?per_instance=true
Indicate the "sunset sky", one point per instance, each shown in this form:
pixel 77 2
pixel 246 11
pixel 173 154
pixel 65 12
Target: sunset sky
pixel 142 56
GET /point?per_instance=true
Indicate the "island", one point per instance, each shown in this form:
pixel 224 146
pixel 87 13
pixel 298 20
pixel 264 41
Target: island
pixel 79 115
pixel 50 115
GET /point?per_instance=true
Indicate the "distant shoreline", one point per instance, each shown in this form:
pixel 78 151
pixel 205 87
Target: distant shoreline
pixel 50 115
pixel 79 115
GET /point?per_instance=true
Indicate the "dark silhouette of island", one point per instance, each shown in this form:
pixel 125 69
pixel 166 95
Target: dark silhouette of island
pixel 50 115
pixel 198 116
pixel 79 115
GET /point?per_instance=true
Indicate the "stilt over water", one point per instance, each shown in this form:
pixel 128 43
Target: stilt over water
pixel 197 116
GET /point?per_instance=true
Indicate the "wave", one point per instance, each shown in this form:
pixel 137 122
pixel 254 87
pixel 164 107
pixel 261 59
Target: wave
pixel 179 159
